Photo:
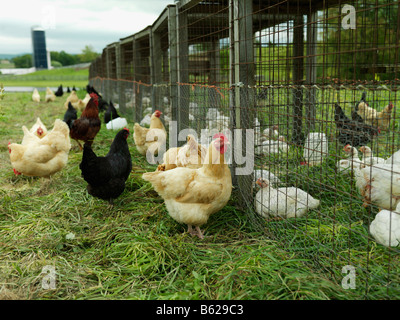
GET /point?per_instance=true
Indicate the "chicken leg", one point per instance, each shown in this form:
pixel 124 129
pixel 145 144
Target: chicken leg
pixel 196 232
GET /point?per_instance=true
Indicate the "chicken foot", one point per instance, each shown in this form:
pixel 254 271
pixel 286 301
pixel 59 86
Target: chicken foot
pixel 196 232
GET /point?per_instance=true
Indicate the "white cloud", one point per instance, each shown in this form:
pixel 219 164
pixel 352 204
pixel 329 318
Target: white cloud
pixel 72 24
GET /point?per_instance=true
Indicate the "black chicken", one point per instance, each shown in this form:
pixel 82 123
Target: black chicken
pixel 70 115
pixel 353 132
pixel 106 176
pixel 111 113
pixel 102 104
pixel 59 91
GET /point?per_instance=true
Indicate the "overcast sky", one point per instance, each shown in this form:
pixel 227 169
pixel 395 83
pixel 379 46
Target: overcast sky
pixel 72 24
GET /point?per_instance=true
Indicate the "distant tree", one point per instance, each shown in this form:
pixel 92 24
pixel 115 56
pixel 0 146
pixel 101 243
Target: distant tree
pixel 88 54
pixel 55 63
pixel 55 56
pixel 67 59
pixel 24 61
pixel 64 58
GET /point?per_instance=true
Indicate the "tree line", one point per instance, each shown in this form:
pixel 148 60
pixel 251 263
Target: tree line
pixel 59 59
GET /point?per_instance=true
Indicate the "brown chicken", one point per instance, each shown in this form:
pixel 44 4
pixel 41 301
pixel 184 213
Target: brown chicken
pixel 88 125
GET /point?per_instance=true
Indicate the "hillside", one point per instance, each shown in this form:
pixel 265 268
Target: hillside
pixel 48 78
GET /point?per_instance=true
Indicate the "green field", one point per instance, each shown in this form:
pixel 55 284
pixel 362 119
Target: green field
pixel 134 250
pixel 68 77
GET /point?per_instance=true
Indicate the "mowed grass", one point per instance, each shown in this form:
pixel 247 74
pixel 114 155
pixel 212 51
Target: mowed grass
pixel 68 77
pixel 134 250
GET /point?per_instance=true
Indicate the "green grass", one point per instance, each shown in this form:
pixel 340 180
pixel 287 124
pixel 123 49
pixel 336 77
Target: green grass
pixel 134 250
pixel 49 78
pixel 337 233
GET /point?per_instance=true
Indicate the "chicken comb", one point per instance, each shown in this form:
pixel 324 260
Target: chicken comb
pixel 95 98
pixel 158 113
pixel 220 135
pixel 126 129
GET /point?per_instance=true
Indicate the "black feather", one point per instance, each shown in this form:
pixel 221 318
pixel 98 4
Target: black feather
pixel 59 91
pixel 70 115
pixel 106 176
pixel 353 131
pixel 111 113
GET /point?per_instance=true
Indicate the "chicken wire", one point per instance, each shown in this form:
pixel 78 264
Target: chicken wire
pixel 260 65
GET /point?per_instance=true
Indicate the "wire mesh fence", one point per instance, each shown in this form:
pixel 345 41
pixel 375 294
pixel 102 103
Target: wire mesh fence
pixel 308 92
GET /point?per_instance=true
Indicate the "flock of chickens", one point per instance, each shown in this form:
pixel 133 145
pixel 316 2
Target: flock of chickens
pixel 194 183
pixel 194 180
pixel 376 179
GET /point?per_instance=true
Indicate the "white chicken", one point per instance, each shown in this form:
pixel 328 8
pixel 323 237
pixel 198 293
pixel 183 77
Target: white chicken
pixel 117 124
pixel 257 131
pixel 315 148
pixel 35 95
pixel 270 133
pixel 287 202
pixel 42 157
pixel 146 120
pixel 266 175
pixel 272 146
pixel 394 158
pixel 385 228
pixel 347 165
pixel 368 159
pixel 50 96
pixel 192 195
pixel 379 184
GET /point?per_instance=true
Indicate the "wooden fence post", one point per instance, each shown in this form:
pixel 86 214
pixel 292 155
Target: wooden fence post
pixel 243 69
pixel 298 71
pixel 183 71
pixel 173 67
